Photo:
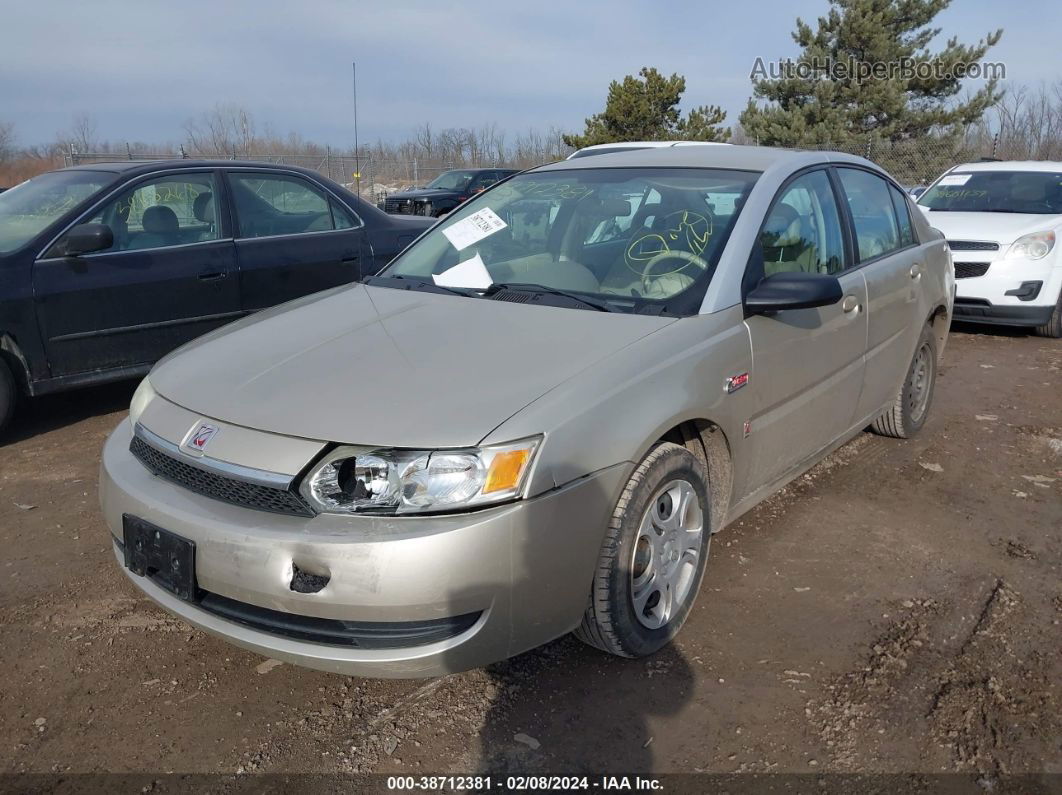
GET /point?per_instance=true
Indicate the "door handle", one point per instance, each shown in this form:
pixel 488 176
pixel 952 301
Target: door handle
pixel 916 270
pixel 212 277
pixel 850 304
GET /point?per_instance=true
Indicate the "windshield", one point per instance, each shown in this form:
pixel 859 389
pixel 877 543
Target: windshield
pixel 634 239
pixel 452 180
pixel 1032 192
pixel 28 208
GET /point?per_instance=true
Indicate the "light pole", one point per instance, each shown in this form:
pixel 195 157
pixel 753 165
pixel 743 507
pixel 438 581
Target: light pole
pixel 357 153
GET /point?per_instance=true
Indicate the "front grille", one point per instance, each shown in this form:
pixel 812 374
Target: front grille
pixel 335 632
pixel 972 245
pixel 968 270
pixel 398 206
pixel 216 486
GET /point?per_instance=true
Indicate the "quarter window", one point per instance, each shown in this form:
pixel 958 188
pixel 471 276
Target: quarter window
pixel 873 215
pixel 802 232
pixel 272 204
pixel 903 216
pixel 174 210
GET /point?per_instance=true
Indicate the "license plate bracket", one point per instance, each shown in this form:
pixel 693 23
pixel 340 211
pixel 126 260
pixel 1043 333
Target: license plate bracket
pixel 165 558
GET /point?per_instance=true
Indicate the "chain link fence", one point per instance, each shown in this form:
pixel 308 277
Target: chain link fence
pixel 372 177
pixel 916 162
pixel 912 162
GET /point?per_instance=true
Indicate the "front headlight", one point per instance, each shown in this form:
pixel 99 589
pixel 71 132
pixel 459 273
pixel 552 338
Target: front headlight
pixel 144 394
pixel 1035 246
pixel 353 479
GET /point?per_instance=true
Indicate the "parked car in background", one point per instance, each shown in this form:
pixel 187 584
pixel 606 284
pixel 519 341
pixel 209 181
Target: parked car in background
pixel 106 268
pixel 535 418
pixel 1003 221
pixel 445 192
pixel 628 146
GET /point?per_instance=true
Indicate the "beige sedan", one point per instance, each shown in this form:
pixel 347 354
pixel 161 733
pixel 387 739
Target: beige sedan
pixel 534 420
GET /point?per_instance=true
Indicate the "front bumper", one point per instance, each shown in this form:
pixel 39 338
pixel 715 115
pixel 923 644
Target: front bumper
pixel 524 568
pixel 985 299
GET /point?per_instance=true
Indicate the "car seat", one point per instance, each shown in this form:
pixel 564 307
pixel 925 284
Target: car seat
pixel 160 228
pixel 203 210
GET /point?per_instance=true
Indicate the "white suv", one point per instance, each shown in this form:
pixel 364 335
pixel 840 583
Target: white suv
pixel 1002 221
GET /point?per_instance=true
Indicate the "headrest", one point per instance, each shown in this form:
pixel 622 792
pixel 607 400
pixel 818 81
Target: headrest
pixel 203 207
pixel 1029 191
pixel 783 226
pixel 160 220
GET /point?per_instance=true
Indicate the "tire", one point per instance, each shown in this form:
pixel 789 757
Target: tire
pixel 8 395
pixel 637 558
pixel 1053 327
pixel 911 407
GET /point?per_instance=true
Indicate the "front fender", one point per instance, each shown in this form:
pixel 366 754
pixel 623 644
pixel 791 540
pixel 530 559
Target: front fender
pixel 614 411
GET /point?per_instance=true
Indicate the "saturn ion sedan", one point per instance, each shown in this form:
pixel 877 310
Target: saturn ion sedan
pixel 535 418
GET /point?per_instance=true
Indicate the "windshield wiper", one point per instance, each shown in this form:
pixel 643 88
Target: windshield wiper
pixel 430 285
pixel 530 287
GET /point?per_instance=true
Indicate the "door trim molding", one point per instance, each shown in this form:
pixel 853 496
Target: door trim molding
pixel 180 321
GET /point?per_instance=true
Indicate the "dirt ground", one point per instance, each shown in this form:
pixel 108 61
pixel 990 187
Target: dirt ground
pixel 895 610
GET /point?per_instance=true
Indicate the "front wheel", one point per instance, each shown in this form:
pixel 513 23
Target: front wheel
pixel 911 407
pixel 1053 327
pixel 653 557
pixel 8 395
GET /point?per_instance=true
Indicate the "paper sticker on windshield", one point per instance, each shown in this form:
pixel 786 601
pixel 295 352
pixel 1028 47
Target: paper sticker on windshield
pixel 955 179
pixel 473 228
pixel 471 274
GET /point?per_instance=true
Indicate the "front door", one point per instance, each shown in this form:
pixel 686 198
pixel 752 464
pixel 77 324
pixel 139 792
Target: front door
pixel 169 277
pixel 807 363
pixel 293 238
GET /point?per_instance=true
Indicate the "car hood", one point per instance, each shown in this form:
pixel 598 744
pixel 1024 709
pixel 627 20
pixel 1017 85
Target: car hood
pixel 382 366
pixel 1002 228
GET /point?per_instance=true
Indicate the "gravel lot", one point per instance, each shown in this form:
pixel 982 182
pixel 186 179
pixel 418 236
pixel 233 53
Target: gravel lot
pixel 895 610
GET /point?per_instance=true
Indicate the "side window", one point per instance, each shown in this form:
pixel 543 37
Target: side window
pixel 341 217
pixel 903 216
pixel 872 213
pixel 166 211
pixel 803 229
pixel 274 204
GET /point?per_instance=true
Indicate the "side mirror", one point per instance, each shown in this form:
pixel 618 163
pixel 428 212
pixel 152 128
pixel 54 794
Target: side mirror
pixel 86 239
pixel 793 291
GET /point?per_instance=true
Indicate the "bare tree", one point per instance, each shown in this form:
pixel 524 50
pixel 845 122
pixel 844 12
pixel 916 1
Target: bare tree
pixel 227 130
pixel 7 141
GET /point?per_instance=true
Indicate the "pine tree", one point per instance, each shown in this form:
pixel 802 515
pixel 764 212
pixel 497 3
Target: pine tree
pixel 845 99
pixel 645 108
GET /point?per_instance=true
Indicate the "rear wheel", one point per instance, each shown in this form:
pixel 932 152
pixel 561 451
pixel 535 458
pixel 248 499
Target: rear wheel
pixel 1053 326
pixel 8 395
pixel 911 407
pixel 653 557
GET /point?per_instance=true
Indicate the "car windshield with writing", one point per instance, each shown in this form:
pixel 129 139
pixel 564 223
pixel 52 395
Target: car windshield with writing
pixel 452 180
pixel 630 239
pixel 1030 192
pixel 27 209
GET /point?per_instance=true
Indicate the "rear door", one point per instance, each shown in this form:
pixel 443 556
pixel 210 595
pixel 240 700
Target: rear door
pixel 891 263
pixel 293 237
pixel 807 363
pixel 169 277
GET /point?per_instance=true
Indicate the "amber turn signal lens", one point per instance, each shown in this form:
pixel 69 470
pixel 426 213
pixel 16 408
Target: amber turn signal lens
pixel 505 470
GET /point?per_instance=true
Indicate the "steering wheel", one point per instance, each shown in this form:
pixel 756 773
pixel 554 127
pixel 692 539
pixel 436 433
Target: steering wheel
pixel 686 258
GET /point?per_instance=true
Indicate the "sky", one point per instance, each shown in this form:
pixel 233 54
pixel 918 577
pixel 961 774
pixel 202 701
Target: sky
pixel 142 69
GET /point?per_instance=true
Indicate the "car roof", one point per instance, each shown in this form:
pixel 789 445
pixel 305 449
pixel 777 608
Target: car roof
pixel 1011 165
pixel 144 166
pixel 741 158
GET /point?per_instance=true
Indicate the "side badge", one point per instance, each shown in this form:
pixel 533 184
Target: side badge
pixel 735 382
